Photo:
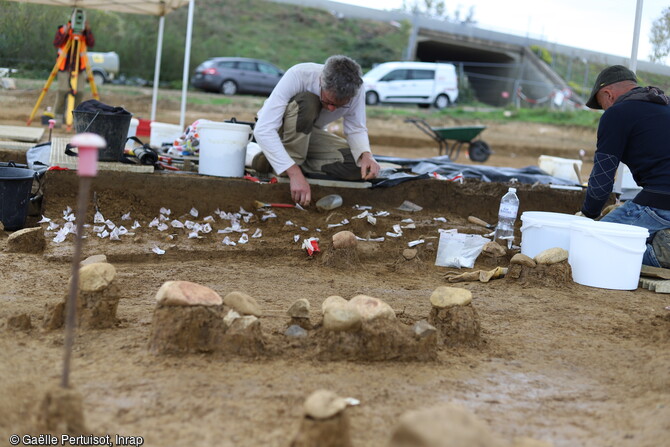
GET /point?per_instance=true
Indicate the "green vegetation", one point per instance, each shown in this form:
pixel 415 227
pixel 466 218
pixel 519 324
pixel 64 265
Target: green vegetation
pixel 210 100
pixel 542 53
pixel 585 118
pixel 581 74
pixel 469 113
pixel 280 33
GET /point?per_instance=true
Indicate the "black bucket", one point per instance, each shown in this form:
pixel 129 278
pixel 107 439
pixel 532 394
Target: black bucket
pixel 15 187
pixel 112 127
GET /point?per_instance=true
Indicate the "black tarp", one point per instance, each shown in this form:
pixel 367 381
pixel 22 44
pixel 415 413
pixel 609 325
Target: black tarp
pixel 442 165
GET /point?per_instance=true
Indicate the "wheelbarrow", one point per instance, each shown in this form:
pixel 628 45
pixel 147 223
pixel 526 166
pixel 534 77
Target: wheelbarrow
pixel 478 150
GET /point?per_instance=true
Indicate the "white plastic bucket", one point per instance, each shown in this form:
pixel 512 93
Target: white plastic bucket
pixel 560 167
pixel 163 133
pixel 223 148
pixel 606 255
pixel 132 129
pixel 543 230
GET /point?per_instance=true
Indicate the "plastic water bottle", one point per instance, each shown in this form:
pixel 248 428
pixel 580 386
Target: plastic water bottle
pixel 509 207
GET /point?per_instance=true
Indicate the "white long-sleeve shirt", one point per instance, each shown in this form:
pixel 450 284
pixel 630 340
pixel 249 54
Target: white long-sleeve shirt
pixel 298 79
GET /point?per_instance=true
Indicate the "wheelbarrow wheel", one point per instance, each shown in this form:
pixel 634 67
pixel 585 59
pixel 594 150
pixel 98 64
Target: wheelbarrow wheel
pixel 479 151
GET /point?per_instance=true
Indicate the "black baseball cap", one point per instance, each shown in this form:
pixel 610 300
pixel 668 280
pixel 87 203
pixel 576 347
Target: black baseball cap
pixel 610 75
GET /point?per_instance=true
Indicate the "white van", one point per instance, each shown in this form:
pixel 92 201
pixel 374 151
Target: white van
pixel 422 83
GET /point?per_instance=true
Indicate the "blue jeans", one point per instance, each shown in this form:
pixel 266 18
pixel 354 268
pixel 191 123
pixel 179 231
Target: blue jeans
pixel 653 219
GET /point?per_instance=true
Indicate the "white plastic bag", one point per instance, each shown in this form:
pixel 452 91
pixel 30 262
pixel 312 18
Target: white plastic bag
pixel 39 154
pixel 458 250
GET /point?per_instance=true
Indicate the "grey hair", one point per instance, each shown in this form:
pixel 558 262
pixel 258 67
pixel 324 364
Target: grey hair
pixel 342 77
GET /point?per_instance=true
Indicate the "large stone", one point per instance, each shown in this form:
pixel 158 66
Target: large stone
pixel 552 256
pixel 344 239
pixel 446 425
pixel 93 259
pixel 96 277
pixel 186 293
pixel 27 240
pixel 324 404
pixel 334 299
pixel 494 249
pixel 450 296
pixel 372 308
pixel 242 303
pixel 299 309
pixel 341 317
pixel 409 253
pixel 522 259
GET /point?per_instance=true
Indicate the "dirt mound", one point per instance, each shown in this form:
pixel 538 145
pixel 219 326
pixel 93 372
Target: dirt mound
pixel 376 340
pixel 557 275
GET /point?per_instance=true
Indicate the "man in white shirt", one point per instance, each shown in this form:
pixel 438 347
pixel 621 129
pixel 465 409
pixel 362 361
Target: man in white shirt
pixel 290 127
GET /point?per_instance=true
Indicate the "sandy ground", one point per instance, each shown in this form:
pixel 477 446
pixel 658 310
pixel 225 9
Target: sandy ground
pixel 559 362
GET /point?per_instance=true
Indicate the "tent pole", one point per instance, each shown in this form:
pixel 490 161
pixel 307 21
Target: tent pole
pixel 618 179
pixel 636 35
pixel 187 60
pixel 157 68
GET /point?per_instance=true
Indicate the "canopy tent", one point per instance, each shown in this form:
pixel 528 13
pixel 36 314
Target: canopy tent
pixel 148 7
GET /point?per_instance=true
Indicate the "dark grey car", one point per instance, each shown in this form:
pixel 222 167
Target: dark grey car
pixel 231 75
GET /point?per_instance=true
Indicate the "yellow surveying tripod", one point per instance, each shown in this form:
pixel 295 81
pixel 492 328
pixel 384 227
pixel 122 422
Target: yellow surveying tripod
pixel 75 48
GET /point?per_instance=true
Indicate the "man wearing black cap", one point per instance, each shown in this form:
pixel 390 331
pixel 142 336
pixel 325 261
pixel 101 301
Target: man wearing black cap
pixel 635 130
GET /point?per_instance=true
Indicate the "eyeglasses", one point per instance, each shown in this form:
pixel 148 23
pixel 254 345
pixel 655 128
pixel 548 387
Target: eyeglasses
pixel 327 103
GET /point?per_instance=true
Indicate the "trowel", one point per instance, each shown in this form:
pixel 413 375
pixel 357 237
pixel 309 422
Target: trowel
pixel 260 204
pixel 478 221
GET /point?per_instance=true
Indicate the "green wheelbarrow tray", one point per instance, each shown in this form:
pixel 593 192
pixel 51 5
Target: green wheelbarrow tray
pixel 478 150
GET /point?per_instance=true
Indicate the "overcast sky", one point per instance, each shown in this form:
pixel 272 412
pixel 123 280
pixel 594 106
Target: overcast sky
pixel 599 25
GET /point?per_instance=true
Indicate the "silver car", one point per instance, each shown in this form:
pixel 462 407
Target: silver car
pixel 232 75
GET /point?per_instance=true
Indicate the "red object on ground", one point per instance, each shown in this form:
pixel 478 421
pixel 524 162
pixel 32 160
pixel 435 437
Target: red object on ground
pixel 143 128
pixel 311 245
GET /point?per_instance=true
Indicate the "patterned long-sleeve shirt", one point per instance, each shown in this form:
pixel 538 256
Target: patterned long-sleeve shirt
pixel 635 130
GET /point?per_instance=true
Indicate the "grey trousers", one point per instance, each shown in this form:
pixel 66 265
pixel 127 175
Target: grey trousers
pixel 313 149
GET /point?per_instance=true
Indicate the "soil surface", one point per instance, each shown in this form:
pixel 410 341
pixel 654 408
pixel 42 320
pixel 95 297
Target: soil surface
pixel 557 361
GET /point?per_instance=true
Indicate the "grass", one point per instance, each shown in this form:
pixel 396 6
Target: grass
pixel 582 118
pixel 209 100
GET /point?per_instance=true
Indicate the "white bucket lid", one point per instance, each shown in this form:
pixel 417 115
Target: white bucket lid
pixel 609 228
pixel 218 125
pixel 551 219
